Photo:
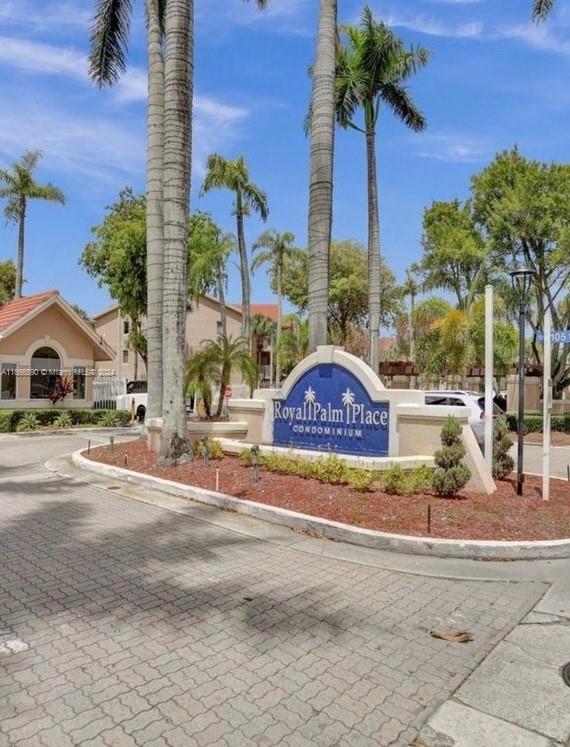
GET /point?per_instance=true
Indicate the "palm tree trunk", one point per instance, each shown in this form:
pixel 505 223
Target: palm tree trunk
pixel 244 271
pixel 154 228
pixel 178 82
pixel 374 281
pixel 321 173
pixel 222 300
pixel 279 325
pixel 20 259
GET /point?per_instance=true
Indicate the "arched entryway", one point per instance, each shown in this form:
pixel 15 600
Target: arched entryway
pixel 46 367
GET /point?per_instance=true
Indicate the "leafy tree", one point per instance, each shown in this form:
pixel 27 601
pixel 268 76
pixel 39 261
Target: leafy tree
pixel 19 187
pixel 321 127
pixel 348 288
pixel 209 252
pixel 372 67
pixel 523 208
pixel 294 342
pixel 7 280
pixel 116 258
pixel 505 337
pixel 81 312
pixel 273 248
pixel 454 250
pixel 223 173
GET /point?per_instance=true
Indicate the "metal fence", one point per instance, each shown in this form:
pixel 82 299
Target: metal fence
pixel 106 389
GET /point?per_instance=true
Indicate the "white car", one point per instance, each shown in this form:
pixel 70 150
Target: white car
pixel 472 400
pixel 135 399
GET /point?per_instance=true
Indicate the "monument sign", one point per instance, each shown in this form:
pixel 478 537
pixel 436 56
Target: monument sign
pixel 328 406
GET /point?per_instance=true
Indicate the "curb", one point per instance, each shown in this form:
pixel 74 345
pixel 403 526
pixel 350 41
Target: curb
pixel 333 530
pixel 127 430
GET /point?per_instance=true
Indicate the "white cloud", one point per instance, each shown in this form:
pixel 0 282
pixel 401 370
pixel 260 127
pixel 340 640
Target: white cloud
pixel 36 57
pixel 453 147
pixel 47 16
pixel 455 2
pixel 436 27
pixel 284 16
pixel 538 37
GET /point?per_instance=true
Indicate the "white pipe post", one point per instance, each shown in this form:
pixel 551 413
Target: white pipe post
pixel 489 366
pixel 546 405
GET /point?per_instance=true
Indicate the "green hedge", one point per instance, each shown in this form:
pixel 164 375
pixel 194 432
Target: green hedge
pixel 533 422
pixel 9 419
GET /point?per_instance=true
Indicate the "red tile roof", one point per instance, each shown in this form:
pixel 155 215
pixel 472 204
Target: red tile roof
pixel 265 309
pixel 13 311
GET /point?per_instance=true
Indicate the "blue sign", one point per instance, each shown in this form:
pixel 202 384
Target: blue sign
pixel 557 336
pixel 328 409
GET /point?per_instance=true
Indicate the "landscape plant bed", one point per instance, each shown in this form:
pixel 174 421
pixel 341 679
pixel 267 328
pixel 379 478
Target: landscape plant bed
pixel 556 438
pixel 501 516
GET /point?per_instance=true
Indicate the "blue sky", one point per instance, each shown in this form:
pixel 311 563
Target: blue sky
pixel 494 79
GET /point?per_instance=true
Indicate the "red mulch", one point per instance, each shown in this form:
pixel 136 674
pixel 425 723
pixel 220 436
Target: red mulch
pixel 501 516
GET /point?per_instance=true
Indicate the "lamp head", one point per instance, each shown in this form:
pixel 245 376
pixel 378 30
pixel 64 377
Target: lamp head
pixel 521 278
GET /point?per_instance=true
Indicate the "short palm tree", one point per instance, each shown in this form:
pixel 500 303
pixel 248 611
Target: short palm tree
pixel 228 354
pixel 372 67
pixel 541 9
pixel 222 173
pixel 294 342
pixel 275 248
pixel 201 373
pixel 19 188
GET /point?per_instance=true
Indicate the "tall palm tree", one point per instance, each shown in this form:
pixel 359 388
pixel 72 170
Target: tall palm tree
pixel 372 66
pixel 321 127
pixel 223 173
pixel 107 62
pixel 276 248
pixel 541 9
pixel 19 188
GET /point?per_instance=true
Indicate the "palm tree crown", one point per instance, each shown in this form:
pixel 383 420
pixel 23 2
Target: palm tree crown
pixel 19 187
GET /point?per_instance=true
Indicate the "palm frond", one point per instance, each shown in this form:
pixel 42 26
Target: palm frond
pixel 256 199
pixel 399 100
pixel 108 40
pixel 541 9
pixel 49 193
pixel 31 158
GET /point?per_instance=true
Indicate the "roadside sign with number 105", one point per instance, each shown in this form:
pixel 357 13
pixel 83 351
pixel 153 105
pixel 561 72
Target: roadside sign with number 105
pixel 558 336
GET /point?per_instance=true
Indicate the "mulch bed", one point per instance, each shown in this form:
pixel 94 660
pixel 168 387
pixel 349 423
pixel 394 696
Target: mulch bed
pixel 501 516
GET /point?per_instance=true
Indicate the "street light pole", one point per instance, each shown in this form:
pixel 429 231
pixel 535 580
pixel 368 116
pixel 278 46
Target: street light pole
pixel 522 280
pixel 520 420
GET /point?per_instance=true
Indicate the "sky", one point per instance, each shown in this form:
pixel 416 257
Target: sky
pixel 494 79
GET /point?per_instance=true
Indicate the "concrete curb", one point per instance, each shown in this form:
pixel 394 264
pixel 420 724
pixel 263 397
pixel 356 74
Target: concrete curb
pixel 333 530
pixel 127 430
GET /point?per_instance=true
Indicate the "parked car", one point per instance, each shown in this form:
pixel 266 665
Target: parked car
pixel 472 400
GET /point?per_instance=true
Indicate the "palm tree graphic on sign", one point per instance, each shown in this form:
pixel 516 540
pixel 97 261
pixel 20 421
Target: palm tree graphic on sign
pixel 310 398
pixel 347 401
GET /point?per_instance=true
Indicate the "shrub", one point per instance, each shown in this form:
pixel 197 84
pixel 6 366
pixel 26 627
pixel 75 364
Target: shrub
pixel 5 421
pixel 395 481
pixel 421 479
pixel 451 474
pixel 63 420
pixel 533 422
pixel 331 470
pixel 360 479
pixel 28 422
pixel 503 463
pixel 9 419
pixel 216 451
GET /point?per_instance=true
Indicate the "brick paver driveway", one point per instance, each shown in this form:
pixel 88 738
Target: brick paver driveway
pixel 124 624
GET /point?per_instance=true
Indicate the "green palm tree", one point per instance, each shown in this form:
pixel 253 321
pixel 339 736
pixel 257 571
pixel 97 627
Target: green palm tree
pixel 201 372
pixel 19 188
pixel 223 173
pixel 276 247
pixel 228 354
pixel 321 129
pixel 372 67
pixel 295 342
pixel 170 39
pixel 541 9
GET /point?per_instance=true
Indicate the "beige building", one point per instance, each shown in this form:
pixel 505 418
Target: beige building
pixel 202 323
pixel 42 339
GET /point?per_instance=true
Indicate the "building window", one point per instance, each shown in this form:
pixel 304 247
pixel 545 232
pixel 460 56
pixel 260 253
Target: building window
pixel 125 356
pixel 8 381
pixel 219 327
pixel 46 366
pixel 79 383
pixel 126 326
